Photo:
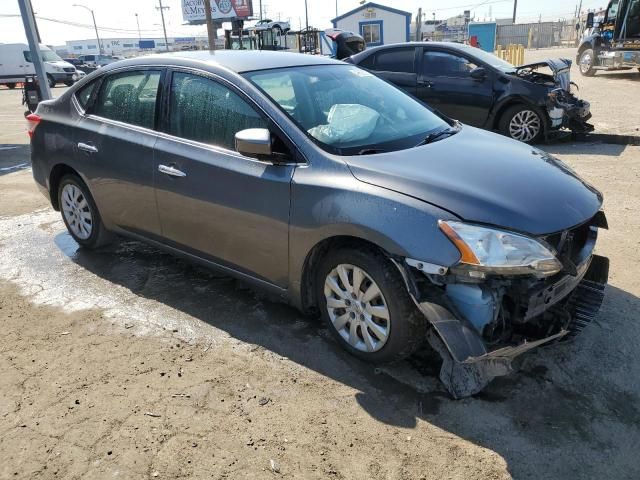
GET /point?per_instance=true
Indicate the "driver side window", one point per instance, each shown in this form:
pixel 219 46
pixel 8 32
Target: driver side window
pixel 442 64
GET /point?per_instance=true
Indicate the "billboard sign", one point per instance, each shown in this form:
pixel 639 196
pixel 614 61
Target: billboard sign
pixel 193 10
pixel 144 44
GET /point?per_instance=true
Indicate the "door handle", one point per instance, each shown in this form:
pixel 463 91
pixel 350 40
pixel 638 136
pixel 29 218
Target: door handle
pixel 174 172
pixel 87 148
pixel 425 83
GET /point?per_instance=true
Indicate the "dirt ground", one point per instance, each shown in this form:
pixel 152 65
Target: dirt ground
pixel 129 363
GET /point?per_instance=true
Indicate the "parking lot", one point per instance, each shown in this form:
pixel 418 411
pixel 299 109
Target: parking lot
pixel 129 363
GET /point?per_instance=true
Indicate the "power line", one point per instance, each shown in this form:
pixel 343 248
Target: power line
pixel 84 25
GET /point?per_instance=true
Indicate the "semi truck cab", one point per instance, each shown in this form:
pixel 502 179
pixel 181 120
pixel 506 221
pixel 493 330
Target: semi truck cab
pixel 614 43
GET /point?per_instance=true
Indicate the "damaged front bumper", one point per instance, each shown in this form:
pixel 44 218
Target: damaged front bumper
pixel 567 111
pixel 536 313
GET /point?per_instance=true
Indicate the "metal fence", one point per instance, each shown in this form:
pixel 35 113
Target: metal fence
pixel 537 35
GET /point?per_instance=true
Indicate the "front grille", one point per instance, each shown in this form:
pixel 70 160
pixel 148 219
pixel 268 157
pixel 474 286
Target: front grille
pixel 573 246
pixel 69 69
pixel 585 301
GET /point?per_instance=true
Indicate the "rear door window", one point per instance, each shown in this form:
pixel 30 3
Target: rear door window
pixel 129 97
pixel 206 111
pixel 399 60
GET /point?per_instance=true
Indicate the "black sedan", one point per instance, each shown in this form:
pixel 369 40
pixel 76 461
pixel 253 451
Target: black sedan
pixel 525 103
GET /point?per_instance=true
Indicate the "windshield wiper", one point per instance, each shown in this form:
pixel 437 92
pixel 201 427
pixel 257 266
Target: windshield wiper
pixel 432 137
pixel 370 151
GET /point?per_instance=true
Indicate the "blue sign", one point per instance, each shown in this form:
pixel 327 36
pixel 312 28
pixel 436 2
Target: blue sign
pixel 147 44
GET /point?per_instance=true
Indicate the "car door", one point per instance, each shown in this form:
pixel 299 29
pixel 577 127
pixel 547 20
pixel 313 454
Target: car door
pixel 113 143
pixel 398 66
pixel 214 202
pixel 445 83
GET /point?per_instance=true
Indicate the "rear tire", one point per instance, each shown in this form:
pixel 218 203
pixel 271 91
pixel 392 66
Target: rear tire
pixel 364 299
pixel 80 213
pixel 69 83
pixel 523 123
pixel 586 63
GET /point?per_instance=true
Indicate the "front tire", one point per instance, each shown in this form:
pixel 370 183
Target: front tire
pixel 80 214
pixel 52 82
pixel 522 123
pixel 11 86
pixel 587 62
pixel 69 83
pixel 365 304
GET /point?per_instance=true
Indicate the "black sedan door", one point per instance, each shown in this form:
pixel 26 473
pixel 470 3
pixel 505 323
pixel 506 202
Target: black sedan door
pixel 445 83
pixel 396 65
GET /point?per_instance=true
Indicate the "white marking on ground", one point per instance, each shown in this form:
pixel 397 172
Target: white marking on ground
pixel 31 258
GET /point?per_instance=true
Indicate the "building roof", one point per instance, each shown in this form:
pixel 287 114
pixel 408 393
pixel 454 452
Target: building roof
pixel 238 61
pixel 372 5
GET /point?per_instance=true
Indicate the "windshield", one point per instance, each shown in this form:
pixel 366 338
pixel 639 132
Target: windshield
pixel 47 56
pixel 491 59
pixel 347 110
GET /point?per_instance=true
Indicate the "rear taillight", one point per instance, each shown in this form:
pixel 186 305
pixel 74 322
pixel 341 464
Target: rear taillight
pixel 32 122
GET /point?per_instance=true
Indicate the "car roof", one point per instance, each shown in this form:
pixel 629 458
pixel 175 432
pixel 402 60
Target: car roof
pixel 238 61
pixel 461 47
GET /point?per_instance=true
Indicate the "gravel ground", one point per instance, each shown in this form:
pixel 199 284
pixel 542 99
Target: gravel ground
pixel 130 363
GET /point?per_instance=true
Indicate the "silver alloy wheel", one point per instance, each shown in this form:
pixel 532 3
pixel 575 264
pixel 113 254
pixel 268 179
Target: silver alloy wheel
pixel 357 308
pixel 585 62
pixel 525 125
pixel 76 211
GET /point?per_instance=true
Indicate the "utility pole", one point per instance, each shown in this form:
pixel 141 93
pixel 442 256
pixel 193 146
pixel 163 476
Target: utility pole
pixel 95 26
pixel 419 25
pixel 515 7
pixel 211 33
pixel 306 15
pixel 261 10
pixel 139 36
pixel 336 8
pixel 164 27
pixel 30 30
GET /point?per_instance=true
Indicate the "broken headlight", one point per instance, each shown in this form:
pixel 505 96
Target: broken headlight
pixel 486 250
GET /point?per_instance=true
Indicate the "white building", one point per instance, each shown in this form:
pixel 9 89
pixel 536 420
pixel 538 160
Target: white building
pixel 378 24
pixel 128 46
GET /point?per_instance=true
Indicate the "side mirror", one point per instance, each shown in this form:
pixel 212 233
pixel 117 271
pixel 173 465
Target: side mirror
pixel 254 142
pixel 590 17
pixel 478 73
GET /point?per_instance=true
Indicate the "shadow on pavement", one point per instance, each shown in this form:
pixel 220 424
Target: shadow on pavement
pixel 541 426
pixel 567 147
pixel 14 157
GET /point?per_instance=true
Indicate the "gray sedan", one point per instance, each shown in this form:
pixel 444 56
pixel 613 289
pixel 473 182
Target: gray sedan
pixel 333 189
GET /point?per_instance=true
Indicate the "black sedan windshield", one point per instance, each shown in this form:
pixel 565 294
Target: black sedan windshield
pixel 347 110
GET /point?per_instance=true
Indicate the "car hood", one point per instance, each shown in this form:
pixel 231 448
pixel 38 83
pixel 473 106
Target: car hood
pixel 560 69
pixel 485 178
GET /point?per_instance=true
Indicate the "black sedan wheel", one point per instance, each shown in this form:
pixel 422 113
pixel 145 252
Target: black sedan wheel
pixel 522 123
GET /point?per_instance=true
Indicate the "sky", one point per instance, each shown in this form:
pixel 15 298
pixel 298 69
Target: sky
pixel 116 18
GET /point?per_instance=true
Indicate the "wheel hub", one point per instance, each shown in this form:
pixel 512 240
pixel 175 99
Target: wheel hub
pixel 357 308
pixel 525 126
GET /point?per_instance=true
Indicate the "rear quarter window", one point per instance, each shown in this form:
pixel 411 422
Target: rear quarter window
pixel 84 94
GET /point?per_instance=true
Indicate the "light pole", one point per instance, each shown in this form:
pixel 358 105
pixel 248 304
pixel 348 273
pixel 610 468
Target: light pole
pixel 139 36
pixel 94 25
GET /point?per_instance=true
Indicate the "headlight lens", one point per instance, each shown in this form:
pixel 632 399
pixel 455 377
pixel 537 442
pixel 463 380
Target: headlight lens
pixel 58 69
pixel 489 250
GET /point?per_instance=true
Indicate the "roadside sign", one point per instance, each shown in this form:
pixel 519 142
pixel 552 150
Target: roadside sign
pixel 193 10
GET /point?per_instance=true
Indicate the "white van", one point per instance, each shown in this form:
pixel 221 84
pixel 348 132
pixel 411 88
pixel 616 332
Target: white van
pixel 15 63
